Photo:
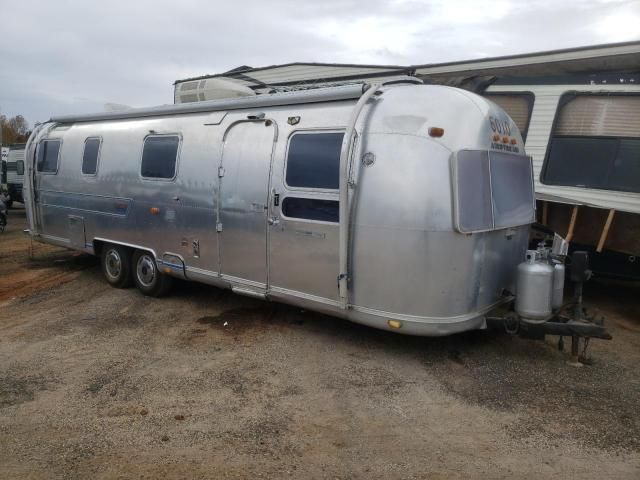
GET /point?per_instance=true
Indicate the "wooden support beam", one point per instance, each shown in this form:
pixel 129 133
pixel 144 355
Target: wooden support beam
pixel 572 224
pixel 605 230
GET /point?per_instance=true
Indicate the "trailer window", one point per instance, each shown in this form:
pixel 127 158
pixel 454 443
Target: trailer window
pixel 90 156
pixel 512 194
pixel 518 105
pixel 493 190
pixel 311 209
pixel 595 143
pixel 20 167
pixel 473 191
pixel 313 160
pixel 159 156
pixel 48 153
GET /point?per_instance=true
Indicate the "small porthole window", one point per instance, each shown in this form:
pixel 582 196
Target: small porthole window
pixel 159 156
pixel 90 156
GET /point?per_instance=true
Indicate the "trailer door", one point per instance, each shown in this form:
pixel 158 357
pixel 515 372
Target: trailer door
pixel 303 242
pixel 244 187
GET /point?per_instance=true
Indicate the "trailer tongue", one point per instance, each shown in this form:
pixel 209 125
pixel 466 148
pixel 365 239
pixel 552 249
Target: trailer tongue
pixel 540 309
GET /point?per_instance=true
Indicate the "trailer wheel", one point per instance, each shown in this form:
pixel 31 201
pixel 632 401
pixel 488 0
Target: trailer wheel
pixel 116 265
pixel 148 278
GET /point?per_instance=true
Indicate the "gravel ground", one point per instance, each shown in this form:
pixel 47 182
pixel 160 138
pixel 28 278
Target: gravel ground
pixel 103 383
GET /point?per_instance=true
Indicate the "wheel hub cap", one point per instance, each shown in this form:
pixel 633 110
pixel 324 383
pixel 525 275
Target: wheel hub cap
pixel 113 264
pixel 146 270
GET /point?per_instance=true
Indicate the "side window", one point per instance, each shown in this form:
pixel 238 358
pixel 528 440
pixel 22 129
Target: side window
pixel 20 167
pixel 518 105
pixel 48 154
pixel 90 156
pixel 313 160
pixel 311 209
pixel 159 156
pixel 595 143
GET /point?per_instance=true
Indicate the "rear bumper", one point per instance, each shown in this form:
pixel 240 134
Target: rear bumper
pixel 422 326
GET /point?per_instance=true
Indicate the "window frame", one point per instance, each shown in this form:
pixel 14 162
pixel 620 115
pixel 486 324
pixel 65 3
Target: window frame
pixel 178 152
pixel 564 99
pixel 95 137
pixel 310 131
pixel 531 101
pixel 40 172
pixel 332 198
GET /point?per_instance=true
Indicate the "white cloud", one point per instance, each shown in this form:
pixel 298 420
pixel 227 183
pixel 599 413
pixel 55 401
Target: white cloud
pixel 620 24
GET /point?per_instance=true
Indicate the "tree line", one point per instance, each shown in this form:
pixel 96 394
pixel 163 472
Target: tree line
pixel 14 129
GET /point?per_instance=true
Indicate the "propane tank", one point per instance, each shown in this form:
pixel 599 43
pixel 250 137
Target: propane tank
pixel 558 284
pixel 535 287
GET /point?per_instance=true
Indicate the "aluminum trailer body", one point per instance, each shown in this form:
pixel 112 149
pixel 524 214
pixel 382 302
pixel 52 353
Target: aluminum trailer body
pixel 405 207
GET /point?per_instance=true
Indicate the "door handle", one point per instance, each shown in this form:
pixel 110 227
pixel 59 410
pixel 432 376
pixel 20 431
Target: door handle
pixel 273 220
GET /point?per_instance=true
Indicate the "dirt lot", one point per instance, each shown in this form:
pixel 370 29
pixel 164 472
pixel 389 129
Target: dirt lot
pixel 104 383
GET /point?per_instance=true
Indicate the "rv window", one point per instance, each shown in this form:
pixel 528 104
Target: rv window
pixel 159 156
pixel 595 143
pixel 313 160
pixel 493 190
pixel 48 156
pixel 473 199
pixel 511 189
pixel 90 156
pixel 311 209
pixel 20 167
pixel 604 163
pixel 517 105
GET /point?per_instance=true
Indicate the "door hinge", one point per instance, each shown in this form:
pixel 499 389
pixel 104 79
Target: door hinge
pixel 218 227
pixel 220 172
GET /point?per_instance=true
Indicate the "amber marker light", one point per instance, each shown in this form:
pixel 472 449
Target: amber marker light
pixel 394 323
pixel 505 139
pixel 513 141
pixel 436 132
pixel 496 138
pixel 154 210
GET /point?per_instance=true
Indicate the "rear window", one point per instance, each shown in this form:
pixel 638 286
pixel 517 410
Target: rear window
pixel 48 153
pixel 493 190
pixel 159 156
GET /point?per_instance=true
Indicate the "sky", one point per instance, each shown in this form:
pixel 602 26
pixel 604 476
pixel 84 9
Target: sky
pixel 59 57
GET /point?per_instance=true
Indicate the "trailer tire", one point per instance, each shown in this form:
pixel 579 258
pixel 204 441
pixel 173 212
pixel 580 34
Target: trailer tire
pixel 149 280
pixel 116 265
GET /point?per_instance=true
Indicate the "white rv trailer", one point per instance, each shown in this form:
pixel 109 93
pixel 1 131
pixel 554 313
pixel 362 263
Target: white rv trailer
pixel 15 173
pixel 4 152
pixel 404 207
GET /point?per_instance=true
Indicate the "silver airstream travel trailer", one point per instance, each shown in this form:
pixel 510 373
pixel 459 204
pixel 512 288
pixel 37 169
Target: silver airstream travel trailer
pixel 401 206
